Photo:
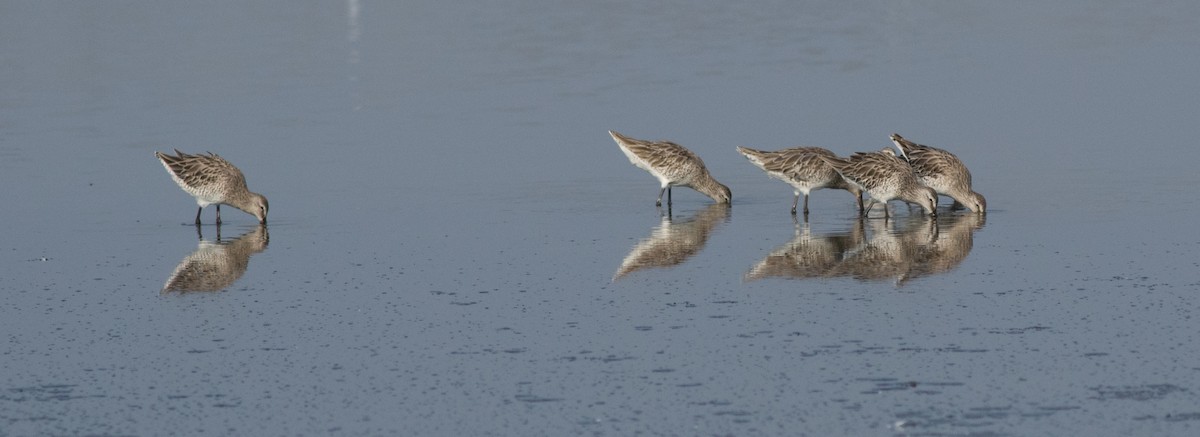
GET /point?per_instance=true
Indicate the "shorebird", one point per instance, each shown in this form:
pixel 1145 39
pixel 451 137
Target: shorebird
pixel 803 169
pixel 942 171
pixel 884 177
pixel 673 165
pixel 211 179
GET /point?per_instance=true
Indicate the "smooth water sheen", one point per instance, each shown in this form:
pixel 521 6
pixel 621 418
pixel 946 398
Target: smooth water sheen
pixel 457 247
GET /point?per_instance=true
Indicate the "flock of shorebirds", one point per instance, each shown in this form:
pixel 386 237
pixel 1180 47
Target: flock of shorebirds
pixel 916 176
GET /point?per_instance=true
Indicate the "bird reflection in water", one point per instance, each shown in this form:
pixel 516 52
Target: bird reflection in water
pixel 897 250
pixel 216 265
pixel 673 241
pixel 808 255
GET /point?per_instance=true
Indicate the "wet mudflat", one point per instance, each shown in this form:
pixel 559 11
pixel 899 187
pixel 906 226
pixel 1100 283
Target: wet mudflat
pixel 457 247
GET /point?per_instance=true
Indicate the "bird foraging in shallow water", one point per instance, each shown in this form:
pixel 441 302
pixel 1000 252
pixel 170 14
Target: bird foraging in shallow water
pixel 884 177
pixel 213 180
pixel 942 171
pixel 673 165
pixel 803 169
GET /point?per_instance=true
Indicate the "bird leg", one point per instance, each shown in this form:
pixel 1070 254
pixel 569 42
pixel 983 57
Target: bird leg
pixel 198 215
pixel 659 201
pixel 806 205
pixel 218 213
pixel 796 200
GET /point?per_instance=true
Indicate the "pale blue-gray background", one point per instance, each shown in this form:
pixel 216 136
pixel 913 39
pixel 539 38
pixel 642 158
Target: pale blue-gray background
pixel 448 212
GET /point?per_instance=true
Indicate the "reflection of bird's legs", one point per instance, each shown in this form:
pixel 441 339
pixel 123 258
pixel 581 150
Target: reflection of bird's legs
pixel 797 222
pixel 667 214
pixel 871 204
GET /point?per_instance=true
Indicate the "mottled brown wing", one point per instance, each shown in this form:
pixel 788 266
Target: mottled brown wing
pixel 870 169
pixel 669 158
pixel 933 163
pixel 204 170
pixel 805 164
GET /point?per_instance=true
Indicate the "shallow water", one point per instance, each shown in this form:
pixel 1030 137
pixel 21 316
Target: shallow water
pixel 457 247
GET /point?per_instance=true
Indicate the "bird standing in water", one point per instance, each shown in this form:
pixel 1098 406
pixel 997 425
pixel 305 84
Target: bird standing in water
pixel 884 177
pixel 803 169
pixel 942 171
pixel 673 165
pixel 213 180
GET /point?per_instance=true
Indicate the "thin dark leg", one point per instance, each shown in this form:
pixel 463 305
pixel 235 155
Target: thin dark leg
pixel 198 234
pixel 198 215
pixel 659 201
pixel 858 201
pixel 668 195
pixel 885 210
pixel 796 200
pixel 806 205
pixel 218 213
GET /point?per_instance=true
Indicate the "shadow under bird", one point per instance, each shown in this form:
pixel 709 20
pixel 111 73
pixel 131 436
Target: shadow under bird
pixel 673 165
pixel 213 180
pixel 884 177
pixel 942 171
pixel 803 169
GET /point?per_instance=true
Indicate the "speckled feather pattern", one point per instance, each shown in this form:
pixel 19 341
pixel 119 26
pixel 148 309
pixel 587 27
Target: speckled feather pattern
pixel 940 170
pixel 800 167
pixel 207 177
pixel 672 164
pixel 210 179
pixel 884 177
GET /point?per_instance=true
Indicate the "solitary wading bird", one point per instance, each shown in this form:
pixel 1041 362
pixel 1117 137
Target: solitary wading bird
pixel 803 169
pixel 211 179
pixel 673 165
pixel 884 176
pixel 942 171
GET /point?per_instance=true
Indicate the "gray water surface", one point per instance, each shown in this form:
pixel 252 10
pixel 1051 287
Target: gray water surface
pixel 457 247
